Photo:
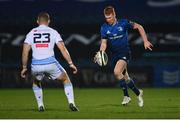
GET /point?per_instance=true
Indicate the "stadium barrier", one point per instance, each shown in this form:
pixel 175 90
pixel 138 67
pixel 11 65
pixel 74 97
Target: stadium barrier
pixel 157 68
pixel 145 75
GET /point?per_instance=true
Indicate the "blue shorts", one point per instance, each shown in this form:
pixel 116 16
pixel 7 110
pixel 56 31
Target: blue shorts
pixel 126 57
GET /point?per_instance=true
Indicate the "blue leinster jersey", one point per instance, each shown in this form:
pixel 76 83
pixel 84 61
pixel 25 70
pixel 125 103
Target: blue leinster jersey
pixel 117 36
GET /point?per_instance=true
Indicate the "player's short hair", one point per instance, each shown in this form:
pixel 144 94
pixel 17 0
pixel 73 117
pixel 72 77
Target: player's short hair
pixel 43 16
pixel 109 10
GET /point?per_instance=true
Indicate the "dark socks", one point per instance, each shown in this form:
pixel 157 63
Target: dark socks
pixel 132 86
pixel 123 85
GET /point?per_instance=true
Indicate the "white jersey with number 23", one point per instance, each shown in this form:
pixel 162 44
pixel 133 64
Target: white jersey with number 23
pixel 42 40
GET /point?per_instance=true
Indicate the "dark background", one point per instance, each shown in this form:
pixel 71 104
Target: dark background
pixel 78 22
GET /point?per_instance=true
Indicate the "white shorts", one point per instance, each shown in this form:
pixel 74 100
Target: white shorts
pixel 54 70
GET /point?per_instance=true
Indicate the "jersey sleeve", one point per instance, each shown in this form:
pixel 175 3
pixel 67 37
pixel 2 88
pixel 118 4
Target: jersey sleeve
pixel 57 37
pixel 29 39
pixel 103 33
pixel 129 24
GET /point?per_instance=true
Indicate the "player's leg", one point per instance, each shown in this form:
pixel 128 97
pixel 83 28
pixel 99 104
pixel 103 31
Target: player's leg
pixel 132 86
pixel 118 72
pixel 59 73
pixel 37 77
pixel 37 89
pixel 68 89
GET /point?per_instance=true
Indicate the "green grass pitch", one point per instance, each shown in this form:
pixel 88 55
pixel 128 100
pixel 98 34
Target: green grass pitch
pixel 93 103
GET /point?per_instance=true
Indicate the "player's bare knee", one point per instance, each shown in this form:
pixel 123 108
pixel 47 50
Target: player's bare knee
pixel 118 75
pixel 37 82
pixel 126 77
pixel 64 78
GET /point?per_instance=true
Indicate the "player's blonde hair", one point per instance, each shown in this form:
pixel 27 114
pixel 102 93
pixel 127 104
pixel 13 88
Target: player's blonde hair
pixel 43 16
pixel 109 10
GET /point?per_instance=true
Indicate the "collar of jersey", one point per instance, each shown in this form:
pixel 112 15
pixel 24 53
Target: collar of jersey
pixel 42 25
pixel 114 23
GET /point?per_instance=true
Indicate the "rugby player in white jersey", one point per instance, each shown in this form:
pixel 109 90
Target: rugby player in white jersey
pixel 42 40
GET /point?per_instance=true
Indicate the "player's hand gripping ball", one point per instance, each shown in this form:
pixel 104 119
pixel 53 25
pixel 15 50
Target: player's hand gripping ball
pixel 101 58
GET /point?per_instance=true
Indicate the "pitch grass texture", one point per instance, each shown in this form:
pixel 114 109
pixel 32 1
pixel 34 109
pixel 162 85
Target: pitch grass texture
pixel 93 103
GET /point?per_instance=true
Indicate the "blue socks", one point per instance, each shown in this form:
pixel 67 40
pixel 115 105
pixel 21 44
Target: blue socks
pixel 123 85
pixel 128 83
pixel 132 86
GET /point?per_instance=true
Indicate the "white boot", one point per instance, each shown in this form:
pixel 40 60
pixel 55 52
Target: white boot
pixel 140 99
pixel 126 100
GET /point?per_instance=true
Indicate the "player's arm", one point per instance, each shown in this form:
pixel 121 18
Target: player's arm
pixel 147 44
pixel 66 55
pixel 25 54
pixel 103 45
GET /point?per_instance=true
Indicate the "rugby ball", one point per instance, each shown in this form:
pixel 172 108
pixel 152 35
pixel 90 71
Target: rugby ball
pixel 101 58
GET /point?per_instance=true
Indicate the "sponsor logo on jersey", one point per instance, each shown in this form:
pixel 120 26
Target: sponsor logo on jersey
pixel 42 45
pixel 114 34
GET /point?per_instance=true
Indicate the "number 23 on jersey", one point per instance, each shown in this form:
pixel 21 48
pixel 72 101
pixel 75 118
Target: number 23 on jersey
pixel 41 40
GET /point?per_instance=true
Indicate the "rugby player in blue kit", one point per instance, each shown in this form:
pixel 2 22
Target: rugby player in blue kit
pixel 114 35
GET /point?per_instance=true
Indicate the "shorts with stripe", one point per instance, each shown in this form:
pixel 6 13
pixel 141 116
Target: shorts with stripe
pixel 49 66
